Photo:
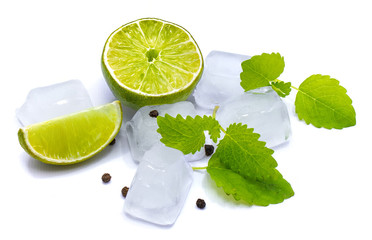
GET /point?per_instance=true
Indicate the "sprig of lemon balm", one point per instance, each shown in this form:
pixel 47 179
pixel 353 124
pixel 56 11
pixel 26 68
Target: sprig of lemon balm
pixel 242 165
pixel 150 62
pixel 320 100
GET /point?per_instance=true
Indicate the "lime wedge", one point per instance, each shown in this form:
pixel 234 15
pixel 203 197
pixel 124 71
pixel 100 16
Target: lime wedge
pixel 150 61
pixel 72 138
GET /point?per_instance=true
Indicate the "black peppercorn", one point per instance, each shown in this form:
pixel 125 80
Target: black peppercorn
pixel 106 178
pixel 200 203
pixel 124 191
pixel 154 113
pixel 209 149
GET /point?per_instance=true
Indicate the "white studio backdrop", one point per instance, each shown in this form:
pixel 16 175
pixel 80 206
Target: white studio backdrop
pixel 46 42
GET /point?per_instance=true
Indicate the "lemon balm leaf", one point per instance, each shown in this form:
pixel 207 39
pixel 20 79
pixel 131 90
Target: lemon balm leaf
pixel 212 126
pixel 187 134
pixel 282 88
pixel 251 191
pixel 180 133
pixel 245 168
pixel 322 102
pixel 241 149
pixel 260 70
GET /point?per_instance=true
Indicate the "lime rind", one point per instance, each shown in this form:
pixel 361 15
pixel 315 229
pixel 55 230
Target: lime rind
pixel 67 147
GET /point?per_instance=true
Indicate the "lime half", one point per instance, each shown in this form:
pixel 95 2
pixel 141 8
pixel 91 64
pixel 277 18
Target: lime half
pixel 72 138
pixel 150 61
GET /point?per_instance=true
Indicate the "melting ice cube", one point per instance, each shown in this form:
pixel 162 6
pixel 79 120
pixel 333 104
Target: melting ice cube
pixel 142 128
pixel 52 101
pixel 220 80
pixel 160 186
pixel 261 109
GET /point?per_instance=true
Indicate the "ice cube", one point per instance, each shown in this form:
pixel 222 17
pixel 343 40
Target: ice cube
pixel 142 128
pixel 52 101
pixel 220 80
pixel 160 186
pixel 261 109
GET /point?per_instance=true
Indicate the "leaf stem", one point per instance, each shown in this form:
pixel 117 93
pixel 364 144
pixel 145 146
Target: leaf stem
pixel 223 130
pixel 214 117
pixel 199 168
pixel 215 111
pixel 295 88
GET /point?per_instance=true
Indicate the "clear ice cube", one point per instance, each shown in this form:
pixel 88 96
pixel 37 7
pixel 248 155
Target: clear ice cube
pixel 160 186
pixel 52 101
pixel 142 128
pixel 220 80
pixel 261 109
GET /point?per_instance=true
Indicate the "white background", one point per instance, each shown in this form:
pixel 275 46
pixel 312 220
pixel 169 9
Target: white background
pixel 46 42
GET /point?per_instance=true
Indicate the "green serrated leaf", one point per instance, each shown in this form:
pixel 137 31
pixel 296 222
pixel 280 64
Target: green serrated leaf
pixel 245 168
pixel 281 88
pixel 260 70
pixel 187 135
pixel 322 102
pixel 251 191
pixel 240 149
pixel 213 127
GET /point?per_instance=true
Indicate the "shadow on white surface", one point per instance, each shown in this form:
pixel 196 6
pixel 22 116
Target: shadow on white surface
pixel 146 223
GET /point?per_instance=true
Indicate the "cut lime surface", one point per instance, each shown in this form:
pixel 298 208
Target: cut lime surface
pixel 72 138
pixel 150 61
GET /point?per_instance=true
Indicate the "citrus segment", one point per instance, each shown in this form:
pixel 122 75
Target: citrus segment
pixel 151 61
pixel 150 30
pixel 72 138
